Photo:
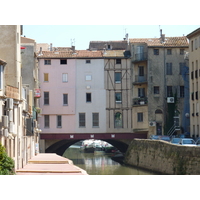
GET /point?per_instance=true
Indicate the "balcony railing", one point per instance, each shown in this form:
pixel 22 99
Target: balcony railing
pixel 140 79
pixel 140 57
pixel 140 101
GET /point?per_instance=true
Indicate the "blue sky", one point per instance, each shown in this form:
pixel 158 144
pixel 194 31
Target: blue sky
pixel 81 35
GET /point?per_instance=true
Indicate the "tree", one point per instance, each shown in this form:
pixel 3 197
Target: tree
pixel 6 163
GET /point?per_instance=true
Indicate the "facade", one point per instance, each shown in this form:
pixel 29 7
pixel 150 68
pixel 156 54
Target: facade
pixel 194 72
pixel 13 130
pixel 117 73
pixel 158 85
pixel 90 93
pixel 57 75
pixel 30 94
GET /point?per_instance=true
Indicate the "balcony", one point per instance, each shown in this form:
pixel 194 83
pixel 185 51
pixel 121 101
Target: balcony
pixel 140 101
pixel 140 79
pixel 140 57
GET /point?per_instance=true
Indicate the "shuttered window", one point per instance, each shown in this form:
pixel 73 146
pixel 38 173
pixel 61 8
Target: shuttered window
pixel 81 119
pixel 95 119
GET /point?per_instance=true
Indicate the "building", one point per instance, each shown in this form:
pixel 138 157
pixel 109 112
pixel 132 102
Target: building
pixel 12 128
pixel 57 75
pixel 194 71
pixel 90 93
pixel 31 94
pixel 158 85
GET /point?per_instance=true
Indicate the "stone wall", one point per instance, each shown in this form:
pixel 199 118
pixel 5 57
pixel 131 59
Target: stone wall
pixel 163 157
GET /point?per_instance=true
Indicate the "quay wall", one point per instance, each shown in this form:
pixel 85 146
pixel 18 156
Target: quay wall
pixel 163 157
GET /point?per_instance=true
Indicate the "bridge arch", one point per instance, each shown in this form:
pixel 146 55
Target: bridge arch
pixel 59 147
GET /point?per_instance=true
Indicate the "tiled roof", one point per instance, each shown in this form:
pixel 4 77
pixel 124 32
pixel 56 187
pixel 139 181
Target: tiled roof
pixel 114 53
pixel 115 45
pixel 169 41
pixel 70 54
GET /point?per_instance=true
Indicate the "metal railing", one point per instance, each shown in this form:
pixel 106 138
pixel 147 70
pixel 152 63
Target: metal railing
pixel 140 57
pixel 140 101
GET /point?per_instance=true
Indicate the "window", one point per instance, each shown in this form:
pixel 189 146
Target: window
pixel 140 117
pixel 65 99
pixel 88 61
pixel 169 91
pixel 141 92
pixel 169 52
pixel 118 97
pixel 63 61
pixel 46 121
pixel 59 121
pixel 46 98
pixel 158 111
pixel 156 90
pixel 141 70
pixel 95 119
pixel 47 62
pixel 192 45
pixel 81 119
pixel 196 43
pixel 182 92
pixel 118 76
pixel 88 77
pixel 182 51
pixel 64 78
pixel 156 51
pixel 46 77
pixel 169 68
pixel 118 61
pixel 88 97
pixel 118 120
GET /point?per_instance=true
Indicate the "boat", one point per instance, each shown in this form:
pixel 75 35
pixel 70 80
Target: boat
pixel 99 150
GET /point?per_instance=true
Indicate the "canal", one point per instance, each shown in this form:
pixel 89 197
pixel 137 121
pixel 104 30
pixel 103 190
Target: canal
pixel 100 164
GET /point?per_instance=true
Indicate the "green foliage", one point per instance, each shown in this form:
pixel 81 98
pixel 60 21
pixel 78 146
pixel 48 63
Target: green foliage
pixel 6 163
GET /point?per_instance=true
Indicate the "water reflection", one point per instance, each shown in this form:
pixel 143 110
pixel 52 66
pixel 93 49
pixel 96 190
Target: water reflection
pixel 100 164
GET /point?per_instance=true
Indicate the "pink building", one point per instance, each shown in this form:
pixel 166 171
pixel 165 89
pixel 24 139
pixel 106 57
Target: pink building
pixel 57 70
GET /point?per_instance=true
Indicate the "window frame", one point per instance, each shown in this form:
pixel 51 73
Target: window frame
pixel 169 51
pixel 169 69
pixel 59 121
pixel 118 123
pixel 46 121
pixel 88 97
pixel 118 61
pixel 64 77
pixel 82 122
pixel 156 90
pixel 169 91
pixel 116 97
pixel 65 98
pixel 118 78
pixel 87 61
pixel 46 98
pixel 156 52
pixel 63 63
pixel 95 120
pixel 140 117
pixel 47 62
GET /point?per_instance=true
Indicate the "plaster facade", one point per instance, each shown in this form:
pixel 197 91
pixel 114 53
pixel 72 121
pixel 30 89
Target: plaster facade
pixel 194 72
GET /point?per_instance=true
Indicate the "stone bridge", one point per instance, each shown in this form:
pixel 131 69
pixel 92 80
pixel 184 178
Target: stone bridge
pixel 58 143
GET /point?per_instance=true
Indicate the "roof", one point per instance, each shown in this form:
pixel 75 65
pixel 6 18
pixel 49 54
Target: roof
pixel 193 33
pixel 169 41
pixel 71 54
pixel 114 53
pixel 115 45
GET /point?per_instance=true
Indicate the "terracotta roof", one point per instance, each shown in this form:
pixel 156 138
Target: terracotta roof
pixel 115 45
pixel 169 41
pixel 70 54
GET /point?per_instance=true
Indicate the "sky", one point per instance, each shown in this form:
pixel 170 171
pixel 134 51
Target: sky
pixel 80 35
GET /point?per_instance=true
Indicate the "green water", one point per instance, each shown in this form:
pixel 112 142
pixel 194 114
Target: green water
pixel 100 164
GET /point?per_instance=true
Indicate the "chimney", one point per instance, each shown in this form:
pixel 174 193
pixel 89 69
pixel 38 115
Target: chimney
pixel 50 46
pixel 73 48
pixel 40 50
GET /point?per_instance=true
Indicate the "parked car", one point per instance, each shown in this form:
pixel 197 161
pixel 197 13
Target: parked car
pixel 187 142
pixel 154 137
pixel 165 138
pixel 175 140
pixel 198 142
